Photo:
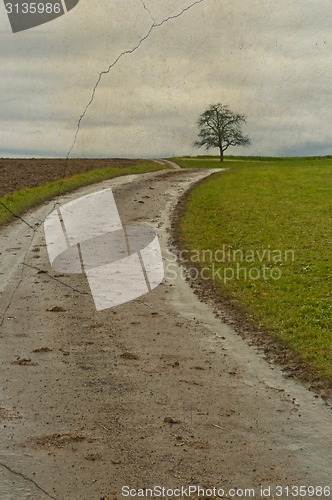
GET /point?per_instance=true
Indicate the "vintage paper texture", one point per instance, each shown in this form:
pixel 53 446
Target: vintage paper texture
pixel 157 65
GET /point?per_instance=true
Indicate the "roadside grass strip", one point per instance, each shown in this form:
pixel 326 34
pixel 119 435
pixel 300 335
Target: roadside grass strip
pixel 24 199
pixel 263 233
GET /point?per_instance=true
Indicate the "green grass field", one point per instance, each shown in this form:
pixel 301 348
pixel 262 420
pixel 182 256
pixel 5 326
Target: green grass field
pixel 28 198
pixel 213 161
pixel 272 224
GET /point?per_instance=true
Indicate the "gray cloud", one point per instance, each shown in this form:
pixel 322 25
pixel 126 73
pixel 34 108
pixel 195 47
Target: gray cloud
pixel 269 60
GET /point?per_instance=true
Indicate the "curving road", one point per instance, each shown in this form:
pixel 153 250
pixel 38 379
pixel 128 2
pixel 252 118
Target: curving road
pixel 155 391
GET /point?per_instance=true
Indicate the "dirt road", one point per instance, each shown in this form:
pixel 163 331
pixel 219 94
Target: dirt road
pixel 153 392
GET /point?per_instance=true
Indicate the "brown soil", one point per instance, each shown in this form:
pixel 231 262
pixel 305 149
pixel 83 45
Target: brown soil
pixel 16 174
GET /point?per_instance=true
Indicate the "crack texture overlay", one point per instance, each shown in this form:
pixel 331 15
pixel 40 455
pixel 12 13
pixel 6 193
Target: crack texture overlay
pixel 20 474
pixel 154 26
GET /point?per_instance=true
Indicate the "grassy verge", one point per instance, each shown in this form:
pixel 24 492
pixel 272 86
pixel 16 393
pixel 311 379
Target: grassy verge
pixel 267 228
pixel 25 199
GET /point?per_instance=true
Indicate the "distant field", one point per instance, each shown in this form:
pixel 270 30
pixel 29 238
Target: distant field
pixel 272 224
pixel 34 174
pixel 213 161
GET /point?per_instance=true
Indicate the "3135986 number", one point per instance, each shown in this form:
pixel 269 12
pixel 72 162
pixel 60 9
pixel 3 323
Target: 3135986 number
pixel 33 8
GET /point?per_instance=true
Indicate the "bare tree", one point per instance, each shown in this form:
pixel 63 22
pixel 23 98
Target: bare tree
pixel 219 127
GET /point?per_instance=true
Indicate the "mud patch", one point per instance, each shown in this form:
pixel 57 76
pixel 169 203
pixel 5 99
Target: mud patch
pixel 57 440
pixel 42 349
pixel 56 309
pixel 8 415
pixel 129 356
pixel 24 362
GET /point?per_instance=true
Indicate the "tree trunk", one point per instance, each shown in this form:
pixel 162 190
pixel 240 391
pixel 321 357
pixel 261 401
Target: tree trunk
pixel 221 155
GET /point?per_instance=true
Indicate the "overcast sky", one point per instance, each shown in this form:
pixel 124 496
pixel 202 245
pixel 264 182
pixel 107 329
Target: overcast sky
pixel 269 60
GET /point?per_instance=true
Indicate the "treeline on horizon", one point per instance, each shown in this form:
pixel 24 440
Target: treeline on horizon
pixel 258 158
